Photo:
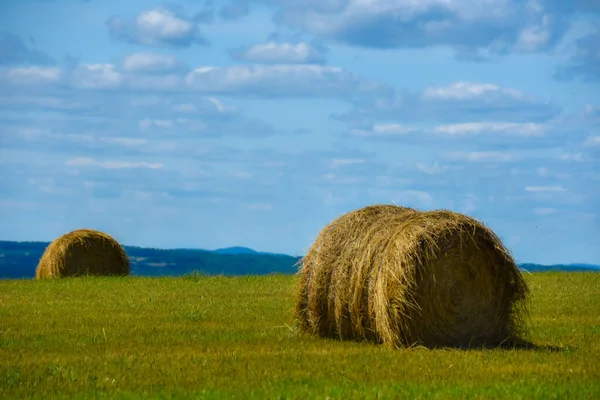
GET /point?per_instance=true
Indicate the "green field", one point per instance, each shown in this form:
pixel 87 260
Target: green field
pixel 219 337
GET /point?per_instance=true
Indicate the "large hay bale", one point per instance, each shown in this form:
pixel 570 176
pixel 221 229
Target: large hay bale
pixel 83 252
pixel 403 277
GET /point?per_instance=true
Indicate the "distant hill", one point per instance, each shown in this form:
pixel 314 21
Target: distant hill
pixel 245 250
pixel 19 260
pixel 560 267
pixel 235 250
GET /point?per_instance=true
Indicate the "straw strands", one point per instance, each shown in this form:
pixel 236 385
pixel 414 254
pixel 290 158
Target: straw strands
pixel 402 277
pixel 83 252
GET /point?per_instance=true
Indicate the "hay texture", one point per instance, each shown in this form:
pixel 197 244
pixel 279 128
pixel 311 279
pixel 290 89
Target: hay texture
pixel 402 277
pixel 83 252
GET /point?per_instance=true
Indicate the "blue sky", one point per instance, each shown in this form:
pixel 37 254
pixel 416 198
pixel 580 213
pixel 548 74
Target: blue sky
pixel 209 124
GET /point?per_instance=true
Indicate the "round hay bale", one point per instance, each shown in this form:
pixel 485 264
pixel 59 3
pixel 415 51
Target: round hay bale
pixel 83 252
pixel 402 277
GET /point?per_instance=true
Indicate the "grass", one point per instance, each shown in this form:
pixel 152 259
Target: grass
pixel 218 337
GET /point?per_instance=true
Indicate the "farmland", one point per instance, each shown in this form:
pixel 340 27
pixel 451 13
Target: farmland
pixel 222 337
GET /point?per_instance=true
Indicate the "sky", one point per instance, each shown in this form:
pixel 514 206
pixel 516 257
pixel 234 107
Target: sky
pixel 208 124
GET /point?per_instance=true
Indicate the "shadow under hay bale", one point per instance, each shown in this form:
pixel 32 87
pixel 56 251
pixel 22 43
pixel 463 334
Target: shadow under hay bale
pixel 83 252
pixel 402 277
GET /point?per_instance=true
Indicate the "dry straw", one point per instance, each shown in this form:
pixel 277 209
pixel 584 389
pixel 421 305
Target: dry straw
pixel 83 252
pixel 402 277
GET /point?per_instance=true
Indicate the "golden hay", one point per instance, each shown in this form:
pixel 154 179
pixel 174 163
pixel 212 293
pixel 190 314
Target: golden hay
pixel 83 252
pixel 402 277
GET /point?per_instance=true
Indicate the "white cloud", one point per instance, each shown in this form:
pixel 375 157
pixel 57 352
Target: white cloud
pixel 490 156
pixel 146 101
pixel 478 105
pixel 220 106
pixel 480 156
pixel 207 106
pixel 163 23
pixel 96 76
pixel 158 27
pixel 241 175
pixel 261 80
pixel 150 195
pixel 284 53
pixel 544 211
pixel 153 63
pixel 281 80
pixel 91 162
pixel 538 189
pixel 484 98
pixel 496 26
pixel 424 198
pixel 185 108
pixel 392 129
pixel 33 75
pixel 157 123
pixel 154 82
pixel 383 131
pixel 190 125
pixel 577 157
pixel 518 129
pixel 31 133
pixel 432 169
pixel 128 164
pixel 42 101
pixel 80 162
pixel 125 141
pixel 85 140
pixel 535 37
pixel 340 162
pixel 592 141
pixel 462 90
pixel 17 204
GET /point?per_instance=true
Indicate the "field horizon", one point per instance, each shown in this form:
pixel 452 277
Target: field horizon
pixel 19 260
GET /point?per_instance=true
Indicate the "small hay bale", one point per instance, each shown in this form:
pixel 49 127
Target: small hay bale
pixel 402 277
pixel 83 252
